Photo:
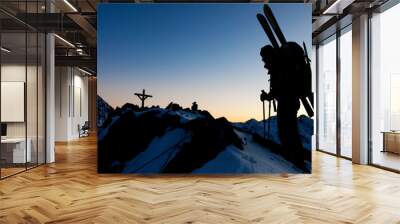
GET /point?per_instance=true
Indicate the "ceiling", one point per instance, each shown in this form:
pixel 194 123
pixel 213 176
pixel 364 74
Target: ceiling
pixel 75 22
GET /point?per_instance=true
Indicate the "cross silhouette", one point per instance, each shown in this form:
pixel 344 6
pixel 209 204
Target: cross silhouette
pixel 142 96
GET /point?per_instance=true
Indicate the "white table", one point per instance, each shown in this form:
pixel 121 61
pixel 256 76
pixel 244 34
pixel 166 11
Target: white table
pixel 19 153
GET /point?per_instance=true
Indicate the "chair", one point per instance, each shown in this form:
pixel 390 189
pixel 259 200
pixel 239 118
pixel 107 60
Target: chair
pixel 84 130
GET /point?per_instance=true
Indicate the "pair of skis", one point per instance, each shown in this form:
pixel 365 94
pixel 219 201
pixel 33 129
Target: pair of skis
pixel 272 23
pixel 269 21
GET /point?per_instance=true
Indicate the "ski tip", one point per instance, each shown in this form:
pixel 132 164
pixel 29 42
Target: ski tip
pixel 267 8
pixel 261 18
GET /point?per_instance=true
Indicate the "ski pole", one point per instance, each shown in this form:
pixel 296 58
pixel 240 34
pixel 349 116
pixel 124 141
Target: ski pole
pixel 264 116
pixel 269 116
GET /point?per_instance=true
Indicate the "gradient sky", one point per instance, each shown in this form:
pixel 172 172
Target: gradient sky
pixel 208 53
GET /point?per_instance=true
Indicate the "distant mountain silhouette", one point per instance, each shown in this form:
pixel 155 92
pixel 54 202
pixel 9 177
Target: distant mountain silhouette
pixel 103 110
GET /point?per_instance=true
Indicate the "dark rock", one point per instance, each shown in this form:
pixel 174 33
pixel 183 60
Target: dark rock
pixel 206 114
pixel 130 106
pixel 209 138
pixel 173 106
pixel 130 135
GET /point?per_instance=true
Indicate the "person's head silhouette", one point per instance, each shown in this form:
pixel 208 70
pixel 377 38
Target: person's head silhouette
pixel 268 55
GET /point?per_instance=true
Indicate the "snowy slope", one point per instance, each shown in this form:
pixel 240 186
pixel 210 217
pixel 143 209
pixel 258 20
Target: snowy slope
pixel 305 125
pixel 158 154
pixel 253 159
pixel 160 140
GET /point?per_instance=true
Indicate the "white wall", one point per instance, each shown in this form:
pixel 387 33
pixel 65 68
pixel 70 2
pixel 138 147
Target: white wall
pixel 12 73
pixel 33 126
pixel 71 93
pixel 13 101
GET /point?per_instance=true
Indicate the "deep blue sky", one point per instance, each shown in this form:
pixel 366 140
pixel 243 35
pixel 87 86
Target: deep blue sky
pixel 207 53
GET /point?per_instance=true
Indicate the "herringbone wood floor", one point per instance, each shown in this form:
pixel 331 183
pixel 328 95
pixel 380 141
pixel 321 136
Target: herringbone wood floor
pixel 70 191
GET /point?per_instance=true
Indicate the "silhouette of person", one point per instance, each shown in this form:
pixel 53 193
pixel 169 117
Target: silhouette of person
pixel 284 88
pixel 194 106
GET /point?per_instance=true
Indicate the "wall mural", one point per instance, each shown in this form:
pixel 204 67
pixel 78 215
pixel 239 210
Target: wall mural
pixel 204 88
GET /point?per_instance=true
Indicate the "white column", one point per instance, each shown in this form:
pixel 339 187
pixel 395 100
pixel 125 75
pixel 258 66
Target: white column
pixel 62 103
pixel 360 90
pixel 50 99
pixel 50 92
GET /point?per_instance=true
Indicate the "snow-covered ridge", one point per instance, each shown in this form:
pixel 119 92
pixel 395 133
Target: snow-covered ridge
pixel 158 140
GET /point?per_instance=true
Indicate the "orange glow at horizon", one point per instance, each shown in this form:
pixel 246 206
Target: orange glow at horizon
pixel 233 110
